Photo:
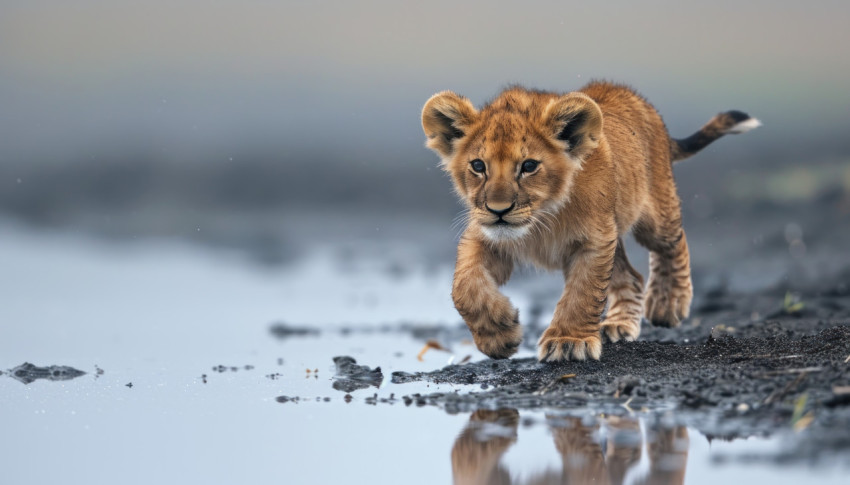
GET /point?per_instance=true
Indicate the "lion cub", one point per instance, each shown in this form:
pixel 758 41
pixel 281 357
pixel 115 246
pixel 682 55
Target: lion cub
pixel 556 180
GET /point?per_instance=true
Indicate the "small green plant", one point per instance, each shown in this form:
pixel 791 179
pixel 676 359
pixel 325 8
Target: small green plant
pixel 801 420
pixel 792 303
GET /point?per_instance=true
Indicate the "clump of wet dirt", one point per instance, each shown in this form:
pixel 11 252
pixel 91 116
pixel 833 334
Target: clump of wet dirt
pixel 28 373
pixel 351 377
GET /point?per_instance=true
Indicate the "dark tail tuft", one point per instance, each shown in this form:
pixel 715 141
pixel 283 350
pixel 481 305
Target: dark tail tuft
pixel 730 122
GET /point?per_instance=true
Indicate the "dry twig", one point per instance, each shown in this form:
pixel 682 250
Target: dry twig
pixel 804 370
pixel 431 344
pixel 764 356
pixel 779 394
pixel 548 387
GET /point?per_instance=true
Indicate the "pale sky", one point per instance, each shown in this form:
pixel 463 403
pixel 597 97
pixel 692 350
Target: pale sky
pixel 190 73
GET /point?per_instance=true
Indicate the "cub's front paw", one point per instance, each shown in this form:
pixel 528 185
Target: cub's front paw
pixel 553 347
pixel 617 329
pixel 499 338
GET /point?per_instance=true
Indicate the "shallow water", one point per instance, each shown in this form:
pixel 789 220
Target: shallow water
pixel 162 316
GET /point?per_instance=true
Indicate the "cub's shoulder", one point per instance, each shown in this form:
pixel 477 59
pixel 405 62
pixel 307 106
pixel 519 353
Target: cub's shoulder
pixel 623 100
pixel 606 91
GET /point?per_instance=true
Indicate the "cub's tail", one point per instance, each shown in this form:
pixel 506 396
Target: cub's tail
pixel 730 122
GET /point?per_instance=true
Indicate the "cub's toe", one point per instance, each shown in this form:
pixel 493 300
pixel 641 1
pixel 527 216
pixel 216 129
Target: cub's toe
pixel 619 329
pixel 553 349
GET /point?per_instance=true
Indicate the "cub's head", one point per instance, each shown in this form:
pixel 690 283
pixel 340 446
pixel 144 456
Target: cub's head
pixel 513 162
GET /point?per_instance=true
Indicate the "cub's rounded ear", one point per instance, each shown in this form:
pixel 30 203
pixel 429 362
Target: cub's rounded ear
pixel 576 120
pixel 445 118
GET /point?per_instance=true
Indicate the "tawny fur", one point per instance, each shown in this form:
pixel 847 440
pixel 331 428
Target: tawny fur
pixel 600 165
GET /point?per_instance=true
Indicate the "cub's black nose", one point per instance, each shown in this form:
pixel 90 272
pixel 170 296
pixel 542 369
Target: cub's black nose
pixel 499 209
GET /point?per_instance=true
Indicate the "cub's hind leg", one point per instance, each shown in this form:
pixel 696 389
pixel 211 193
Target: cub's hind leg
pixel 625 297
pixel 669 290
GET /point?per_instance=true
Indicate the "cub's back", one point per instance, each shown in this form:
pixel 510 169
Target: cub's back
pixel 639 147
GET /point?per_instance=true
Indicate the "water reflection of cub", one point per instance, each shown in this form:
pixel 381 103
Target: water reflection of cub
pixel 627 454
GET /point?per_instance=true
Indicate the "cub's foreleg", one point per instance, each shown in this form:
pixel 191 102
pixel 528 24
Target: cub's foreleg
pixel 491 318
pixel 574 331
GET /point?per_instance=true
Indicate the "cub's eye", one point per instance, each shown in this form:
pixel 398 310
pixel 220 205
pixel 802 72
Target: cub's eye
pixel 478 165
pixel 529 166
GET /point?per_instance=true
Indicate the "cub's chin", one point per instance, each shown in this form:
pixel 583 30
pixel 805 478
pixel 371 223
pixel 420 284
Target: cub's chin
pixel 503 231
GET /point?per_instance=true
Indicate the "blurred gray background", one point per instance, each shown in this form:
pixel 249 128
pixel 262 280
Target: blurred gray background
pixel 268 126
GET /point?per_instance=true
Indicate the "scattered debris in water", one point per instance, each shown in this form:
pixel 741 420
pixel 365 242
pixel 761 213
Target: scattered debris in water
pixel 28 373
pixel 374 400
pixel 283 331
pixel 223 368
